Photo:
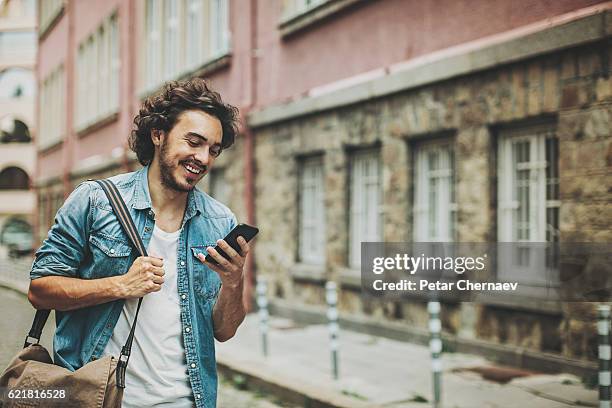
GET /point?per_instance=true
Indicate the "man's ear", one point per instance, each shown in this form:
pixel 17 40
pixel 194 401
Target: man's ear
pixel 156 136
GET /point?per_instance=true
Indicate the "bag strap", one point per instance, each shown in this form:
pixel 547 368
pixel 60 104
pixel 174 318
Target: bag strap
pixel 127 223
pixel 38 324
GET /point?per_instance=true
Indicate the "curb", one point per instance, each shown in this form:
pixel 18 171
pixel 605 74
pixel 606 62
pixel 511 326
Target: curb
pixel 289 390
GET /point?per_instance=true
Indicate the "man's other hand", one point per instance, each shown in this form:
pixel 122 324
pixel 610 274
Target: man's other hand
pixel 146 275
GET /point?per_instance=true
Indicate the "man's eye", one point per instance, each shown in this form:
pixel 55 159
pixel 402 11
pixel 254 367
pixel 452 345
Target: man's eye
pixel 193 142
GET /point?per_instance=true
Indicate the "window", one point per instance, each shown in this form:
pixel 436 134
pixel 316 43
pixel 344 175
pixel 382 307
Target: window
pixel 528 209
pixel 98 75
pixel 195 32
pixel 52 108
pixel 48 10
pixel 154 44
pixel 365 218
pixel 311 212
pixel 218 27
pixel 528 186
pixel 14 178
pixel 219 189
pixel 14 131
pixel 293 7
pixel 181 36
pixel 171 39
pixel 435 207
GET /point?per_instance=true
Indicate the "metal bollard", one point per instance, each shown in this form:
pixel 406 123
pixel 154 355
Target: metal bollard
pixel 262 305
pixel 435 346
pixel 603 330
pixel 332 315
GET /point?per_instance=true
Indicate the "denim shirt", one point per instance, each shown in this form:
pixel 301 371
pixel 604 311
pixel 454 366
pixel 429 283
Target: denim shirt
pixel 87 242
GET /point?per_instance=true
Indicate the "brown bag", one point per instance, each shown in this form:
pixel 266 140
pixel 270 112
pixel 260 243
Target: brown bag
pixel 93 385
pixel 32 380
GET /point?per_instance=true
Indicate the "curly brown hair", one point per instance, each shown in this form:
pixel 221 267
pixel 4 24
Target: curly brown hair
pixel 161 111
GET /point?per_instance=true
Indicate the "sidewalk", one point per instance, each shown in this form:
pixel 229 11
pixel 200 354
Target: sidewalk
pixel 377 372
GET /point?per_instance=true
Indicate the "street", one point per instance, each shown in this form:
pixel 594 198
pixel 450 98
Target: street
pixel 15 323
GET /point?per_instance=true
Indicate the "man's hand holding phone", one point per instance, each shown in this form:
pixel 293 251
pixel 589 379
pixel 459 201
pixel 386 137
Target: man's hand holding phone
pixel 230 269
pixel 228 257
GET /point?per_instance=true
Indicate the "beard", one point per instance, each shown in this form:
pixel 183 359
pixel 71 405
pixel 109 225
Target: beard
pixel 167 168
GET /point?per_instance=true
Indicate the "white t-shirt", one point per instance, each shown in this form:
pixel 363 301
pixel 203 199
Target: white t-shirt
pixel 157 370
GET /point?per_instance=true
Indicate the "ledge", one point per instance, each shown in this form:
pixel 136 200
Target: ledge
pixel 97 124
pixel 99 163
pixel 296 22
pixel 208 68
pixel 46 28
pixel 46 181
pixel 47 147
pixel 350 278
pixel 308 273
pixel 569 30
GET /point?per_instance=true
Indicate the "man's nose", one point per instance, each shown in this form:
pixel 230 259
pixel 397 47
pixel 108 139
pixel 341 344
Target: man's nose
pixel 203 155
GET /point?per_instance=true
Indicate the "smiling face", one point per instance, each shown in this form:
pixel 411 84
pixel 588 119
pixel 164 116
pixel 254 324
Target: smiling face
pixel 187 152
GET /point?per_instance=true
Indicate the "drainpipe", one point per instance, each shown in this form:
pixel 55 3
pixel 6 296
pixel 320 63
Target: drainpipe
pixel 70 132
pixel 130 66
pixel 249 156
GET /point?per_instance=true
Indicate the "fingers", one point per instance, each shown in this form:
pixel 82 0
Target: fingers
pixel 217 257
pixel 143 260
pixel 157 271
pixel 231 252
pixel 244 246
pixel 154 261
pixel 157 279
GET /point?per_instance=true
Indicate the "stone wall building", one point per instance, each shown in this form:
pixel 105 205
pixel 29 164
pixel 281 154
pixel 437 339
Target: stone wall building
pixel 415 153
pixel 387 120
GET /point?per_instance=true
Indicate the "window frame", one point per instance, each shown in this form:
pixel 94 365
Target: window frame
pixel 155 48
pixel 97 96
pixel 357 234
pixel 446 206
pixel 52 123
pixel 311 174
pixel 518 264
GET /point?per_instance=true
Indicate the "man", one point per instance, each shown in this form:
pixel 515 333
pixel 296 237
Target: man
pixel 80 269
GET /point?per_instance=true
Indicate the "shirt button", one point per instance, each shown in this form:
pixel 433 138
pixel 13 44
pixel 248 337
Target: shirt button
pixel 198 396
pixel 188 329
pixel 193 365
pixel 112 251
pixel 182 263
pixel 183 296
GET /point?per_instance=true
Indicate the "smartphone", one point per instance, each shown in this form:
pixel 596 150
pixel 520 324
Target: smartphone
pixel 240 230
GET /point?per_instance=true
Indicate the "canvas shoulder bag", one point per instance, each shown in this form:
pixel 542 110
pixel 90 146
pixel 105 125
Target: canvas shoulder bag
pixel 32 380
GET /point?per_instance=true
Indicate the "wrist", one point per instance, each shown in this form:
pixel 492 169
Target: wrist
pixel 233 287
pixel 118 290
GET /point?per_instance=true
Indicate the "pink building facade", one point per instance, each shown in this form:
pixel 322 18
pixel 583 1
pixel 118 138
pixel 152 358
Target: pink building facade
pixel 331 88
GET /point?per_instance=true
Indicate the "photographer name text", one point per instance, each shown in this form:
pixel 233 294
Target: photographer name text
pixel 424 284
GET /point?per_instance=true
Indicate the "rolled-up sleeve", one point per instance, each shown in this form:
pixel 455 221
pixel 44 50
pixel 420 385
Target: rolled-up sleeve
pixel 65 247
